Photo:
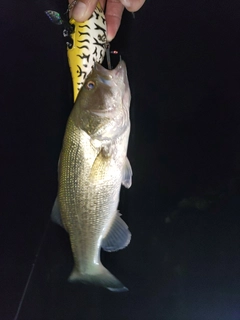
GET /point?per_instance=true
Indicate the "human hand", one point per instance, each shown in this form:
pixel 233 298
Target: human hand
pixel 114 9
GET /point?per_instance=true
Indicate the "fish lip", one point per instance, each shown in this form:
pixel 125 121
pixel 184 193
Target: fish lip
pixel 101 113
pixel 121 66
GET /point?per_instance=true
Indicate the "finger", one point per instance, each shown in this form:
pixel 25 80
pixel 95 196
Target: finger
pixel 132 5
pixel 83 9
pixel 113 16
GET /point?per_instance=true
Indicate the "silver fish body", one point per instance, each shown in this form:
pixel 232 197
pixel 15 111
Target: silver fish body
pixel 93 165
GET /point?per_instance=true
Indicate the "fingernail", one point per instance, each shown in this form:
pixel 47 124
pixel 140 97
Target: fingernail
pixel 79 11
pixel 110 35
pixel 126 3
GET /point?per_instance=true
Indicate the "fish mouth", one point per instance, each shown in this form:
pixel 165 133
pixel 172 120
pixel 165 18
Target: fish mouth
pixel 119 70
pixel 101 113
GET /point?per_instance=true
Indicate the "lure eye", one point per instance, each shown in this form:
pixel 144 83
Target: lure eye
pixel 90 85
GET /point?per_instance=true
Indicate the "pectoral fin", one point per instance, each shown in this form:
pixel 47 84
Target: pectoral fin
pixel 118 236
pixel 127 174
pixel 56 215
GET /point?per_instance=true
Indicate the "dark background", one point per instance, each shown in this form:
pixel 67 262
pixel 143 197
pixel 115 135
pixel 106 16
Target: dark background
pixel 183 262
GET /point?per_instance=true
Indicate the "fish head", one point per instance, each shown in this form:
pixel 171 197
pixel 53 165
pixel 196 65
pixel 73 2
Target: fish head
pixel 102 106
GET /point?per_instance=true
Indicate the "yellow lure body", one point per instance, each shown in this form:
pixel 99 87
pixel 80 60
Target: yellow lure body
pixel 89 46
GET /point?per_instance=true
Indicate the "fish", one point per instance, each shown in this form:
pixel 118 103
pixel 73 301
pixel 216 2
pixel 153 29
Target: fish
pixel 93 165
pixel 86 44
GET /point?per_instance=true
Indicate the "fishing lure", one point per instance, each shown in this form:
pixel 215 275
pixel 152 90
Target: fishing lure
pixel 86 43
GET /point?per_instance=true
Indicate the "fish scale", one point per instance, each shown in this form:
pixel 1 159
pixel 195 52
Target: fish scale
pixel 94 202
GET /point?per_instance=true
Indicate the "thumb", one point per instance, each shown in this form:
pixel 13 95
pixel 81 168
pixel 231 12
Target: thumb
pixel 83 9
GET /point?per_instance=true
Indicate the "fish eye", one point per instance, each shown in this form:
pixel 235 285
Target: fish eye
pixel 90 85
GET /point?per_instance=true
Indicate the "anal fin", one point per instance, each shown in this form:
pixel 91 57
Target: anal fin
pixel 118 236
pixel 56 215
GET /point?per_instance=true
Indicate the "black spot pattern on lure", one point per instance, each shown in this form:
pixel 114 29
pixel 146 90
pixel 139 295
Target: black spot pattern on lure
pixel 97 27
pixel 99 9
pixel 85 40
pixel 84 26
pixel 96 15
pixel 83 47
pixel 97 43
pixel 91 17
pixel 80 72
pixel 84 56
pixel 101 53
pixel 83 33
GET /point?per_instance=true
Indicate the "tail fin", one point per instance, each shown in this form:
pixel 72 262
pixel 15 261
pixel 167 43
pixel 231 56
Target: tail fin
pixel 100 277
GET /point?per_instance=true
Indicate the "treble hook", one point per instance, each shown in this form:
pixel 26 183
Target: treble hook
pixel 71 6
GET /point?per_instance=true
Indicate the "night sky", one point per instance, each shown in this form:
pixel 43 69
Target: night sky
pixel 183 207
